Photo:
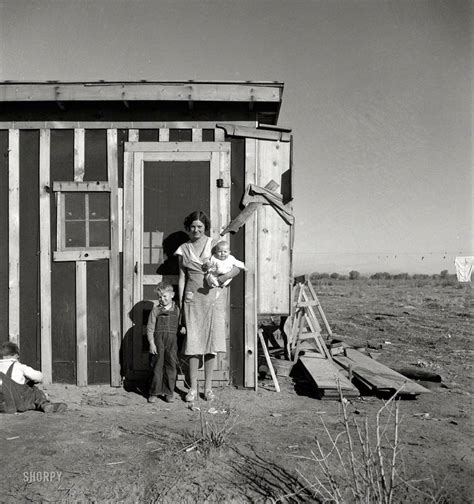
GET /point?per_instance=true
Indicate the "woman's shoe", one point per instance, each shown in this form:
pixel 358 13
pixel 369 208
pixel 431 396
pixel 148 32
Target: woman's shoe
pixel 209 395
pixel 191 395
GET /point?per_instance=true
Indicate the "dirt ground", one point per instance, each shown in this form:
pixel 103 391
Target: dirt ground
pixel 112 446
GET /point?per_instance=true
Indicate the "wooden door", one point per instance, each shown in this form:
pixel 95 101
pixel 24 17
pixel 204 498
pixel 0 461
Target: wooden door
pixel 164 182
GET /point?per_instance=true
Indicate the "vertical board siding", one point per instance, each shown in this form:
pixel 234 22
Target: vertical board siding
pixel 14 236
pixel 4 253
pixel 29 247
pixel 95 155
pixel 97 323
pixel 81 272
pixel 274 240
pixel 45 256
pixel 79 151
pixel 250 359
pixel 164 135
pixel 63 307
pixel 81 323
pixel 114 260
pixel 237 311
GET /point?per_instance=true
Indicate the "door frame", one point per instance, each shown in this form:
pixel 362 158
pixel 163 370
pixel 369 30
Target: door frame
pixel 135 155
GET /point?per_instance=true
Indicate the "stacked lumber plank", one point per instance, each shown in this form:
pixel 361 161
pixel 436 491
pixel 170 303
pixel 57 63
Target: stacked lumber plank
pixel 342 368
pixel 375 376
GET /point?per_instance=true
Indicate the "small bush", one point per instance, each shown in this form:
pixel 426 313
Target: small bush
pixel 335 276
pixel 381 276
pixel 354 275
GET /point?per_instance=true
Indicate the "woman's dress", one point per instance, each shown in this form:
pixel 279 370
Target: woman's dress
pixel 204 307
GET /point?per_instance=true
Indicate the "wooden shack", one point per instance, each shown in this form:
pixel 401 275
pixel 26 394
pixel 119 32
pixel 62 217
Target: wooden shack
pixel 98 177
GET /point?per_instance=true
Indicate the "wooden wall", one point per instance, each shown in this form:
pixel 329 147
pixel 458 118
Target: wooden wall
pixel 4 215
pixel 80 301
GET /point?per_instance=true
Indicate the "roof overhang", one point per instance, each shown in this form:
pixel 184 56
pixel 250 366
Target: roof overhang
pixel 255 94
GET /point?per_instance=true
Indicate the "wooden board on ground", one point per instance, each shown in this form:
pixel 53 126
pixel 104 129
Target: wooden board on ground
pixel 327 376
pixel 376 375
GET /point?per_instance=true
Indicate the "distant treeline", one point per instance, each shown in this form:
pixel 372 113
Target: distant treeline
pixel 355 275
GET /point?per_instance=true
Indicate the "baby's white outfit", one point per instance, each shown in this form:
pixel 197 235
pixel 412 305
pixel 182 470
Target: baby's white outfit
pixel 221 267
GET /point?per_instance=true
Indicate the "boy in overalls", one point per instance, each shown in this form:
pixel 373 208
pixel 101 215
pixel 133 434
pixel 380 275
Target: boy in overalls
pixel 162 334
pixel 17 385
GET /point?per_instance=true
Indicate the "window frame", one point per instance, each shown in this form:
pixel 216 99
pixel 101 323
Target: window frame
pixel 87 253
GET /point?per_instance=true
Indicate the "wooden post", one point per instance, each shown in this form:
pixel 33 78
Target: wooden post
pixel 128 233
pixel 79 154
pixel 45 256
pixel 14 236
pixel 81 323
pixel 114 273
pixel 250 357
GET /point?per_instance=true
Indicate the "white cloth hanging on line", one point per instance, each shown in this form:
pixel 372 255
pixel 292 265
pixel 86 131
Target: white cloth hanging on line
pixel 464 267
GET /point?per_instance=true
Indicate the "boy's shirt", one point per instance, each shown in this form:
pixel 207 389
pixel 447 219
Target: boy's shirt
pixel 154 314
pixel 20 372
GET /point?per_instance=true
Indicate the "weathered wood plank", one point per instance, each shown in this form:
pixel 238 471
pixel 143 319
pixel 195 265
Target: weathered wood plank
pixel 250 336
pixel 79 154
pixel 80 255
pixel 274 267
pixel 78 186
pixel 137 226
pixel 153 91
pixel 117 125
pixel 81 323
pixel 177 156
pixel 268 360
pixel 379 376
pixel 127 240
pixel 14 236
pixel 114 259
pixel 164 134
pixel 326 375
pixel 45 256
pixel 176 146
pixel 197 135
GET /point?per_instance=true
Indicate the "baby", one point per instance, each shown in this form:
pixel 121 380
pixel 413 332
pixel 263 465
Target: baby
pixel 220 263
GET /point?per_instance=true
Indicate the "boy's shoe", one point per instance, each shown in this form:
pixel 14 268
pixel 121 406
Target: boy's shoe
pixel 191 395
pixel 152 399
pixel 169 398
pixel 209 395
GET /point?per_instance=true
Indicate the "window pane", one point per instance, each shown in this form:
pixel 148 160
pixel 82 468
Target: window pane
pixel 99 206
pixel 75 205
pixel 75 234
pixel 99 234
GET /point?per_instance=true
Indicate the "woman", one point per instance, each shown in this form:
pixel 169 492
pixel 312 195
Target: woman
pixel 203 307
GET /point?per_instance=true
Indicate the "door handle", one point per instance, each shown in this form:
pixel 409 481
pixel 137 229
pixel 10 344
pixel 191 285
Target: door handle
pixel 135 269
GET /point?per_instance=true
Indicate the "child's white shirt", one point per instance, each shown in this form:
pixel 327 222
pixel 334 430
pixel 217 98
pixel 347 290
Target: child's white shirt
pixel 20 372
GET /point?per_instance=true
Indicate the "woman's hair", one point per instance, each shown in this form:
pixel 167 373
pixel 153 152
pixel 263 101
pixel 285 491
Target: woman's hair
pixel 194 216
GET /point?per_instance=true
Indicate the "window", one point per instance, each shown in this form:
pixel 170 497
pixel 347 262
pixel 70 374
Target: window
pixel 86 220
pixel 83 220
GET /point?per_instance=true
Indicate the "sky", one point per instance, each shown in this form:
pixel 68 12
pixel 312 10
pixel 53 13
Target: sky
pixel 378 94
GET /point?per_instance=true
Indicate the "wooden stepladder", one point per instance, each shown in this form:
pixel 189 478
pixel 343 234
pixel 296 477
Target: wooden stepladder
pixel 309 347
pixel 305 329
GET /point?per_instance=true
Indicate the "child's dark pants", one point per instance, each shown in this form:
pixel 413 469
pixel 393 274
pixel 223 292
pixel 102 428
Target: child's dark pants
pixel 164 363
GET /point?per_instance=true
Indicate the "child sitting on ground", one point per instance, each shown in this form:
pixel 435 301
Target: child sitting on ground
pixel 220 263
pixel 162 334
pixel 17 385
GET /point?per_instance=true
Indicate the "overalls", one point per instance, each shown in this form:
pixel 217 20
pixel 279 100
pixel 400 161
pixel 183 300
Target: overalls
pixel 164 363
